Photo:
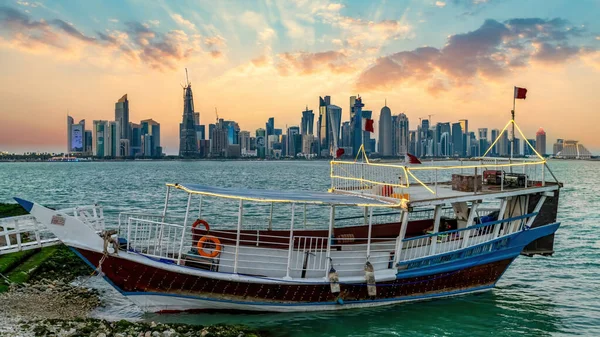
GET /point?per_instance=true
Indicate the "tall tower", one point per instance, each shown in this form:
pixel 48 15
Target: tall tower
pixel 356 126
pixel 188 141
pixel 122 117
pixel 385 132
pixel 540 141
pixel 308 120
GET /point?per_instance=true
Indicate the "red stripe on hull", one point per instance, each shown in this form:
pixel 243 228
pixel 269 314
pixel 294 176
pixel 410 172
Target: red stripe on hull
pixel 132 276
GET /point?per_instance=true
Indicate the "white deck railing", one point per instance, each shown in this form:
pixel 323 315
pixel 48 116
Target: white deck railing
pixel 302 256
pixel 428 245
pixel 399 181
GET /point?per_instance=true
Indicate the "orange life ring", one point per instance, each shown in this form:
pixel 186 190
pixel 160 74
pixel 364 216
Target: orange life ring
pixel 200 221
pixel 214 240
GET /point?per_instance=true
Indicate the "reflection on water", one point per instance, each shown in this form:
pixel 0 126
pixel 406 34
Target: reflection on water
pixel 539 296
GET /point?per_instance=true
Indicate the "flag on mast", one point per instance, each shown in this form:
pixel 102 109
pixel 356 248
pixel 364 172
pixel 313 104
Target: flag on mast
pixel 409 158
pixel 520 93
pixel 367 125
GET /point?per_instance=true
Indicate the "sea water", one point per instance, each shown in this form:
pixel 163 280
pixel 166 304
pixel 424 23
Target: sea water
pixel 538 296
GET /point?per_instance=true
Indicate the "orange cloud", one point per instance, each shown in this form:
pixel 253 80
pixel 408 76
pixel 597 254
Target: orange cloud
pixel 137 42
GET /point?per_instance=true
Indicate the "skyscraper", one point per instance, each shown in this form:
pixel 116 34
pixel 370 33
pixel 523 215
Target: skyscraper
pixel 219 139
pixel 308 120
pixel 457 140
pixel 323 125
pixel 504 145
pixel 294 141
pixel 75 136
pixel 356 126
pixel 151 138
pixel 483 140
pixel 401 136
pixel 261 143
pixel 188 141
pixel 346 140
pixel 385 132
pixel 101 135
pixel 540 141
pixel 494 150
pixel 334 115
pixel 270 126
pixel 122 117
pixel 444 130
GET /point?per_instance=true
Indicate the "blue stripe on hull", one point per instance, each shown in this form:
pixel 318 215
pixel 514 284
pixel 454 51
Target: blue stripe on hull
pixel 496 252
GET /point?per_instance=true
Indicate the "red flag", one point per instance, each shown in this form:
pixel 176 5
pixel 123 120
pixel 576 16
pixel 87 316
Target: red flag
pixel 368 125
pixel 339 153
pixel 520 93
pixel 412 159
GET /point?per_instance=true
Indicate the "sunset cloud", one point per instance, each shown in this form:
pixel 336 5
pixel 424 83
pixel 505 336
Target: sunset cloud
pixel 138 42
pixel 491 51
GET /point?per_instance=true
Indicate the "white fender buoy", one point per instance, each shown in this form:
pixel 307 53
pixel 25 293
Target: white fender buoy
pixel 370 278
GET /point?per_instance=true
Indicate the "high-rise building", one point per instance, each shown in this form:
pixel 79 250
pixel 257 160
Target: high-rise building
pixel 346 140
pixel 495 133
pixel 356 126
pixel 136 139
pixel 483 140
pixel 151 138
pixel 527 150
pixel 114 140
pixel 504 145
pixel 88 142
pixel 101 146
pixel 385 132
pixel 75 136
pixel 400 135
pixel 558 146
pixel 294 141
pixel 219 139
pixel 540 141
pixel 188 141
pixel 308 120
pixel 334 114
pixel 244 141
pixel 412 141
pixel 261 143
pixel 270 126
pixel 323 126
pixel 122 117
pixel 457 140
pixel 444 139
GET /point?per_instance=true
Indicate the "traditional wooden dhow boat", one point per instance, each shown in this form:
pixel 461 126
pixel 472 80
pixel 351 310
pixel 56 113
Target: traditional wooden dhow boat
pixel 384 234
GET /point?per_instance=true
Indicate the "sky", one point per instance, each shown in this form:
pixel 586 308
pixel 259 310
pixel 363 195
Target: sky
pixel 452 59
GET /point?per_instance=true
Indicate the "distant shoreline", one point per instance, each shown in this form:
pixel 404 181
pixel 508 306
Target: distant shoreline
pixel 165 159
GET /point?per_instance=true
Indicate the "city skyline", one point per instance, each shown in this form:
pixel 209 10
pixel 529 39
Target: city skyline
pixel 282 63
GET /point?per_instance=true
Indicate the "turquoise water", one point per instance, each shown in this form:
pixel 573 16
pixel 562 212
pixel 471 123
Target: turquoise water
pixel 539 296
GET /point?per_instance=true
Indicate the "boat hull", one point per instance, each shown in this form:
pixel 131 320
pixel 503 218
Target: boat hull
pixel 159 290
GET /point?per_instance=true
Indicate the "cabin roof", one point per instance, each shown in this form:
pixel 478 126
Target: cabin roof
pixel 284 196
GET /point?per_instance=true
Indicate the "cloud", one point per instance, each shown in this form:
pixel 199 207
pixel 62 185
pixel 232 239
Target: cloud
pixel 183 22
pixel 440 4
pixel 305 63
pixel 491 51
pixel 136 42
pixel 113 20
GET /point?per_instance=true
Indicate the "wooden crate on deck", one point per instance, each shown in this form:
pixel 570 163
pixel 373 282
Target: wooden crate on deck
pixel 466 183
